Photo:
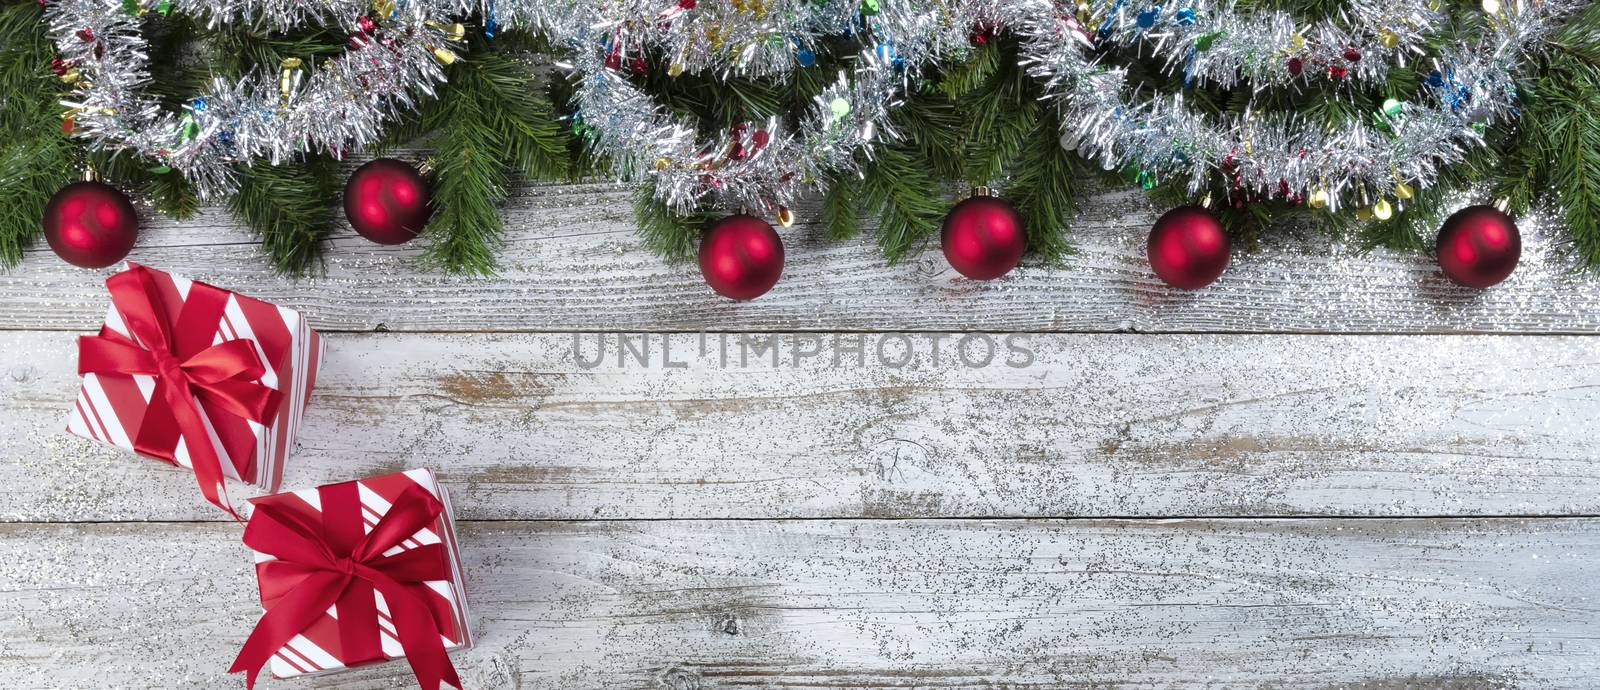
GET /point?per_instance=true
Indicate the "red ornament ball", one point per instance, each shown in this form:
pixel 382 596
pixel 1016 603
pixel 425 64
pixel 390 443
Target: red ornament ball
pixel 1479 246
pixel 741 257
pixel 386 201
pixel 983 237
pixel 91 225
pixel 1187 248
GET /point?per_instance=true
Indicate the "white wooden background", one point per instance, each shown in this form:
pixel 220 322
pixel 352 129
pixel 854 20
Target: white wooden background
pixel 1327 471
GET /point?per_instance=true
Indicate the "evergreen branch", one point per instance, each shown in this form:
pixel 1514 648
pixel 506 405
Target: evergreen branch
pixel 841 208
pixel 172 195
pixel 290 207
pixel 1307 10
pixel 716 103
pixel 908 201
pixel 490 118
pixel 1416 222
pixel 409 128
pixel 26 88
pixel 1573 139
pixel 237 52
pixel 1043 188
pixel 806 84
pixel 519 109
pixel 31 171
pixel 673 237
pixel 957 81
pixel 583 160
pixel 1516 180
pixel 168 190
pixel 1413 228
pixel 1566 113
pixel 170 40
pixel 36 159
pixel 978 118
pixel 1001 112
pixel 930 123
pixel 470 161
pixel 1246 223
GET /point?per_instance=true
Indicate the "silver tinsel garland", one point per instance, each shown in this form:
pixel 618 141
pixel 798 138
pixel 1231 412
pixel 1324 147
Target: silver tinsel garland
pixel 1471 87
pixel 766 165
pixel 1207 42
pixel 340 105
pixel 760 166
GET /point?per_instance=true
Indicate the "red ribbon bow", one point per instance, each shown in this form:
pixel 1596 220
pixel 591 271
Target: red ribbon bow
pixel 188 371
pixel 335 564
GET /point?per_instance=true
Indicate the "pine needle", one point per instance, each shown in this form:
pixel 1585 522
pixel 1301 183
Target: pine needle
pixel 491 119
pixel 1044 188
pixel 291 208
pixel 841 208
pixel 908 202
pixel 673 237
pixel 36 159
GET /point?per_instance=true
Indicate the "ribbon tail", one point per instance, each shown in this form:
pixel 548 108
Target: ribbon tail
pixel 419 635
pixel 359 638
pixel 158 435
pixel 202 454
pixel 245 399
pixel 291 615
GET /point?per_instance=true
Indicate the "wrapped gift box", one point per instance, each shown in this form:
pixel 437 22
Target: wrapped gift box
pixel 294 533
pixel 113 407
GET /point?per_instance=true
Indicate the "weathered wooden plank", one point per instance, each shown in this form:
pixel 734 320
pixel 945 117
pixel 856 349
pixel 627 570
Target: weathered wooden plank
pixel 571 262
pixel 879 604
pixel 1094 425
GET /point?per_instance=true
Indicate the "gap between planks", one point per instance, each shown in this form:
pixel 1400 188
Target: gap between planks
pixel 1131 332
pixel 925 519
pixel 697 605
pixel 1177 426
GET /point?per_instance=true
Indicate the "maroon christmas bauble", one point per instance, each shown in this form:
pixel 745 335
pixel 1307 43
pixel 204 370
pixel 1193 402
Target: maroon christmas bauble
pixel 983 237
pixel 90 224
pixel 386 201
pixel 1479 246
pixel 1187 248
pixel 741 257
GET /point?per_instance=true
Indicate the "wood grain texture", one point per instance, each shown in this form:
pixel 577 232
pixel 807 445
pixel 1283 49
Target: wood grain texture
pixel 1095 425
pixel 882 604
pixel 632 526
pixel 571 262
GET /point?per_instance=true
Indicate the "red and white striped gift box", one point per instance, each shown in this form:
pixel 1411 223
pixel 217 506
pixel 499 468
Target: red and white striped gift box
pixel 317 649
pixel 111 407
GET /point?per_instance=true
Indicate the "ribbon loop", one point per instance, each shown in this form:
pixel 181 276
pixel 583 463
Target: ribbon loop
pixel 188 371
pixel 112 351
pixel 232 359
pixel 319 566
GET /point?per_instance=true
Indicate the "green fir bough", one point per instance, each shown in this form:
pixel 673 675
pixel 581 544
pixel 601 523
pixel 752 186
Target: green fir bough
pixel 979 120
